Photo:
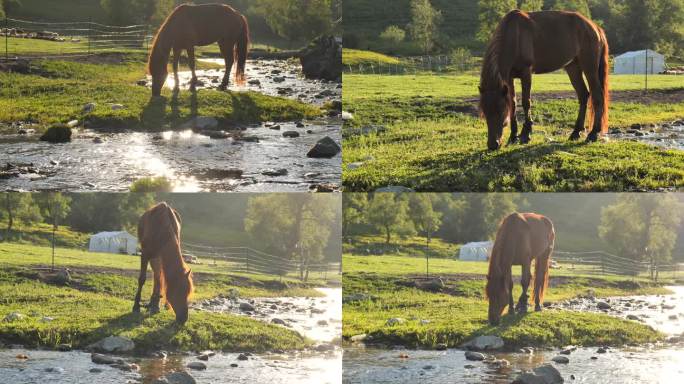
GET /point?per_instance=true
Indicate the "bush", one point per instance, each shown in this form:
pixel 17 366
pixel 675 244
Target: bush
pixel 351 40
pixel 393 34
pixel 152 184
pixel 462 58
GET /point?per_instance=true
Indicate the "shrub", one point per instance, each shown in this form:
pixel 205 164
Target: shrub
pixel 393 34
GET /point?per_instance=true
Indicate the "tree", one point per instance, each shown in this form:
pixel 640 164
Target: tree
pixel 580 6
pixel 354 206
pixel 296 19
pixel 530 5
pixel 491 12
pixel 424 24
pixel 425 218
pixel 55 207
pixel 18 207
pixel 297 226
pixel 642 228
pixel 393 34
pixel 388 213
pixel 124 12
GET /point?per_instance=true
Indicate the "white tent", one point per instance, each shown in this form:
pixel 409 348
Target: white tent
pixel 477 251
pixel 639 63
pixel 113 242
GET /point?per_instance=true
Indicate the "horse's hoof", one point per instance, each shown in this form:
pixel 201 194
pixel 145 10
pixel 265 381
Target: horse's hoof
pixel 537 308
pixel 525 140
pixel 592 138
pixel 512 140
pixel 136 309
pixel 574 136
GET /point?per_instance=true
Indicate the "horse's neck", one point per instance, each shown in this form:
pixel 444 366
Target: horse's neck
pixel 161 49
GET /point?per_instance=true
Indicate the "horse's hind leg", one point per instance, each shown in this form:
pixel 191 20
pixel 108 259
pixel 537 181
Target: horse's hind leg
pixel 141 281
pixel 511 307
pixel 590 67
pixel 156 291
pixel 191 62
pixel 228 54
pixel 525 282
pixel 526 82
pixel 575 73
pixel 514 122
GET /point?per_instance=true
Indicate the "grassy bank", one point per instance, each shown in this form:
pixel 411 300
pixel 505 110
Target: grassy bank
pixel 97 303
pixel 56 91
pixel 459 312
pixel 433 139
pixel 414 246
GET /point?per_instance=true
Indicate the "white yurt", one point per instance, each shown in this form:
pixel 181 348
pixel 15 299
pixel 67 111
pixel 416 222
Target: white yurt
pixel 476 251
pixel 113 242
pixel 639 63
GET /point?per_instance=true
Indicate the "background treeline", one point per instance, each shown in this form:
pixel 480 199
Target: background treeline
pixel 286 225
pixel 629 225
pixel 292 22
pixel 410 27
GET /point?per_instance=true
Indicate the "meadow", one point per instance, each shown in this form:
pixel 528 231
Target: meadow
pixel 423 131
pixel 458 312
pixel 97 303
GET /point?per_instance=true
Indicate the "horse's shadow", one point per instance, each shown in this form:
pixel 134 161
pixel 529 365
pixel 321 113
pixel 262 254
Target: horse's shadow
pixel 156 337
pixel 154 114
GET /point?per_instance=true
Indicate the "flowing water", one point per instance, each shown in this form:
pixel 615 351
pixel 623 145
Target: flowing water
pixel 650 364
pixel 194 162
pixel 308 367
pixel 668 136
pixel 257 158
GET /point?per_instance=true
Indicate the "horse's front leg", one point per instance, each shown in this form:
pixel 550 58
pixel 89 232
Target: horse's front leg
pixel 191 62
pixel 511 307
pixel 525 282
pixel 176 61
pixel 228 54
pixel 156 291
pixel 141 281
pixel 526 82
pixel 575 73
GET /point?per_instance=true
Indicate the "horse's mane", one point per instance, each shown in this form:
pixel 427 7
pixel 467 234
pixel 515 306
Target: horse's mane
pixel 156 53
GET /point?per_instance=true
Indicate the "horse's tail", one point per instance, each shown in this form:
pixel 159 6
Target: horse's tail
pixel 541 267
pixel 603 75
pixel 241 50
pixel 505 236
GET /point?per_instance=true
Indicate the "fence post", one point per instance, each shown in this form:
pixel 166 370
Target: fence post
pixel 6 38
pixel 89 34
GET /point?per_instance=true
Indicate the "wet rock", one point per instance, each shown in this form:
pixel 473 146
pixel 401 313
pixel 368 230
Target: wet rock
pixel 568 350
pixel 117 107
pixel 177 378
pixel 441 346
pixel 602 350
pixel 97 140
pixel 64 347
pixel 104 359
pixel 358 338
pixel 322 59
pixel 12 316
pixel 325 188
pixel 243 357
pixel 113 344
pixel 247 307
pixel 57 134
pixel 72 123
pixel 201 123
pixel 213 173
pixel 546 374
pixel 325 347
pixel 278 79
pixel 54 370
pixel 485 343
pixel 89 107
pixel 560 359
pixel 274 172
pixel 254 82
pixel 95 370
pixel 633 317
pixel 216 135
pixel 197 365
pixel 394 321
pixel 142 82
pixel 324 148
pixel 291 134
pixel 394 189
pixel 322 322
pixel 249 139
pixel 202 357
pixel 300 124
pixel 474 356
pixel 603 305
pixel 278 321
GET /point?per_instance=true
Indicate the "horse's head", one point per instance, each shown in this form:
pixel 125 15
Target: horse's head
pixel 495 106
pixel 498 295
pixel 158 80
pixel 178 296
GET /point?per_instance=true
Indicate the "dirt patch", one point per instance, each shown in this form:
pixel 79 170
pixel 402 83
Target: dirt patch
pixel 657 96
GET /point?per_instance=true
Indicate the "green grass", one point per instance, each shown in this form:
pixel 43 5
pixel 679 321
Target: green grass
pixel 83 317
pixel 56 92
pixel 457 317
pixel 41 234
pixel 355 57
pixel 434 140
pixel 411 246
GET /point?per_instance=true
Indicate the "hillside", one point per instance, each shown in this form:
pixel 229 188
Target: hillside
pixel 60 11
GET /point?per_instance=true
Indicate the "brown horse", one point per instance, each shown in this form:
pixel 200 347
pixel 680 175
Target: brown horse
pixel 521 238
pixel 192 25
pixel 543 42
pixel 159 235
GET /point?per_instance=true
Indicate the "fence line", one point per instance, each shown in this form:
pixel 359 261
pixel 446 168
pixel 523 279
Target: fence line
pixel 71 38
pixel 414 65
pixel 602 263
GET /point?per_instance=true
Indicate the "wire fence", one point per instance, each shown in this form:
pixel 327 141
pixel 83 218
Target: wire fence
pixel 31 39
pixel 603 263
pixel 249 260
pixel 414 65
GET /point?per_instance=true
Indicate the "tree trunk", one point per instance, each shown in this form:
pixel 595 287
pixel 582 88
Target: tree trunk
pixel 387 235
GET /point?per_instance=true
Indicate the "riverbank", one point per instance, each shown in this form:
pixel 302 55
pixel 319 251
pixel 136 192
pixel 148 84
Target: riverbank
pixel 407 310
pixel 108 92
pixel 41 309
